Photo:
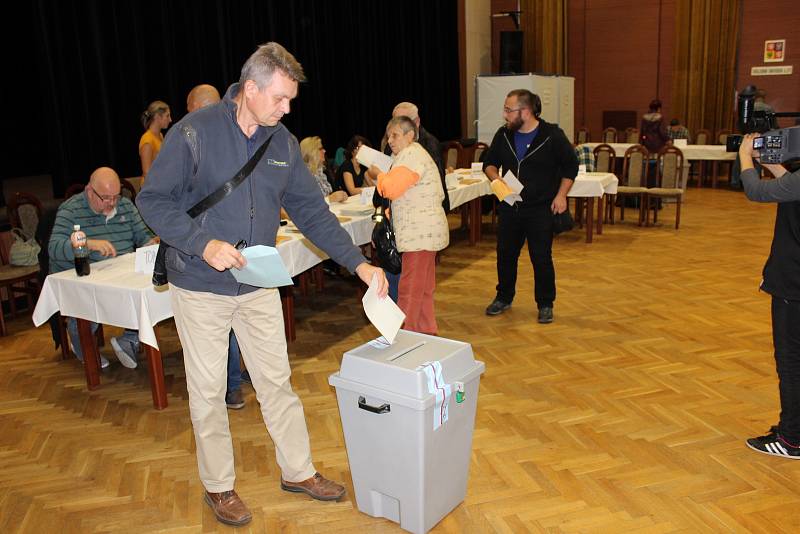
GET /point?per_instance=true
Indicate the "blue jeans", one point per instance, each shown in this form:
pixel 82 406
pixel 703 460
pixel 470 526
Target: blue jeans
pixel 72 329
pixel 394 284
pixel 234 364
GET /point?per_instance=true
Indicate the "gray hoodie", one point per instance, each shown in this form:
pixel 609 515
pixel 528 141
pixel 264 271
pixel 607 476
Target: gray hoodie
pixel 203 151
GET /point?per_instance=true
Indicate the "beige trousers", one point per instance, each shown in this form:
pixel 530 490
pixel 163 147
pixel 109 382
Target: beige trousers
pixel 203 321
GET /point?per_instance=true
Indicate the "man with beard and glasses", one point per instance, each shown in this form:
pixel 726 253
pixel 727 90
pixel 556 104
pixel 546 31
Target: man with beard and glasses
pixel 543 160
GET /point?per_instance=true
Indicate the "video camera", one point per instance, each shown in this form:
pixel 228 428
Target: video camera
pixel 776 145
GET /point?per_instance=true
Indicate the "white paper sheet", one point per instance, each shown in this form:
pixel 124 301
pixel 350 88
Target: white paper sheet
pixel 369 156
pixel 515 185
pixel 145 259
pixel 383 313
pixel 264 268
pixel 439 389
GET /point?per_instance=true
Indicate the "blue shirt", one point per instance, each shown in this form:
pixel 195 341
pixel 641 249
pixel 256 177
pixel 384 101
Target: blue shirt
pixel 523 140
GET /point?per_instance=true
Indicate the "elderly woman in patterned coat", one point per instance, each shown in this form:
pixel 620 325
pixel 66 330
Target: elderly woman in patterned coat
pixel 420 223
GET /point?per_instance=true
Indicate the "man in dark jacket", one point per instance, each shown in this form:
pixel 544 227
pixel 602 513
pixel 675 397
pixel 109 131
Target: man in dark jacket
pixel 201 153
pixel 543 160
pixel 782 281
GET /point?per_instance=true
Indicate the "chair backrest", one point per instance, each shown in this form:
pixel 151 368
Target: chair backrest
pixel 73 190
pixel 24 212
pixel 609 135
pixel 604 157
pixel 634 168
pixel 585 156
pixel 582 136
pixel 127 190
pixel 722 136
pixel 478 151
pixel 452 154
pixel 702 137
pixel 670 168
pixel 632 135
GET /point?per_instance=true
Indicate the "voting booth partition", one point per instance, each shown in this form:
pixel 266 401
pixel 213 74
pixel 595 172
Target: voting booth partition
pixel 557 94
pixel 408 413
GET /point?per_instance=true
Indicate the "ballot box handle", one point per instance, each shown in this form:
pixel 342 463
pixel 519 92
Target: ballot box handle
pixel 383 408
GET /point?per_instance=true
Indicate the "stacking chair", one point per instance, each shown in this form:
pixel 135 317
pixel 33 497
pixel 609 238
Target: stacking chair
pixel 452 154
pixel 73 190
pixel 702 137
pixel 478 150
pixel 127 190
pixel 604 161
pixel 722 139
pixel 582 136
pixel 632 135
pixel 609 135
pixel 634 179
pixel 24 212
pixel 669 183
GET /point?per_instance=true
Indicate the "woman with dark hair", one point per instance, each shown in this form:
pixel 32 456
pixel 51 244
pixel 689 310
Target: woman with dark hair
pixel 653 132
pixel 154 119
pixel 352 175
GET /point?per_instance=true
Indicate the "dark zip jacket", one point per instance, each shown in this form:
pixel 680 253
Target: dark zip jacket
pixel 549 159
pixel 782 270
pixel 203 151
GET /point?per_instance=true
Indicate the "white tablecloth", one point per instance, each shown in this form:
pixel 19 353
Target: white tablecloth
pixel 690 152
pixel 114 294
pixel 462 193
pixel 594 184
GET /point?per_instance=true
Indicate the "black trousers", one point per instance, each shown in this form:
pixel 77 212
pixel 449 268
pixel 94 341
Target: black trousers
pixel 786 338
pixel 534 223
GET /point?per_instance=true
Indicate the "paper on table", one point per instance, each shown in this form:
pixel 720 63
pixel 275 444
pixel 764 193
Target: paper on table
pixel 369 156
pixel 264 268
pixel 382 313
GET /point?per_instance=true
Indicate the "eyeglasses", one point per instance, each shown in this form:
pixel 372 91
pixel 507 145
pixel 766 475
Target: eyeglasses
pixel 509 110
pixel 106 198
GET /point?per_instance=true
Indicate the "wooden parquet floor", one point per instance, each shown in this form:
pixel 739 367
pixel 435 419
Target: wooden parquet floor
pixel 627 414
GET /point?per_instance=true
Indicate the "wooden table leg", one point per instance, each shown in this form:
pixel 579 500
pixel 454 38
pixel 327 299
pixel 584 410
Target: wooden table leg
pixel 589 216
pixel 156 368
pixel 474 210
pixel 91 356
pixel 287 303
pixel 714 171
pixel 600 214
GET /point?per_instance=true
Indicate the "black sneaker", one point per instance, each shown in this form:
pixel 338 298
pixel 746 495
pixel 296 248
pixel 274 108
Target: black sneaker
pixel 546 315
pixel 774 445
pixel 497 307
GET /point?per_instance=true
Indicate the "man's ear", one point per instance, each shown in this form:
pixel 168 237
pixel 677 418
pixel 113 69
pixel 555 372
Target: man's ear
pixel 250 88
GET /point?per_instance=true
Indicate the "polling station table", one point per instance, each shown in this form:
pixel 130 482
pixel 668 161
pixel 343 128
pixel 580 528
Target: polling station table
pixel 591 186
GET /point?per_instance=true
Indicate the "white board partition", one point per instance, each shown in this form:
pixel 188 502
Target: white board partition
pixel 556 92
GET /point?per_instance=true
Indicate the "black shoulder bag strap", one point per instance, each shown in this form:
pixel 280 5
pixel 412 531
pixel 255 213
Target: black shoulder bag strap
pixel 160 267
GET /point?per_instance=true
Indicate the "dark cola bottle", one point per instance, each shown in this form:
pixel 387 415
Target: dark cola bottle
pixel 80 250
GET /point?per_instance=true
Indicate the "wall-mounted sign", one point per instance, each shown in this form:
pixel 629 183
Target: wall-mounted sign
pixel 774 50
pixel 771 71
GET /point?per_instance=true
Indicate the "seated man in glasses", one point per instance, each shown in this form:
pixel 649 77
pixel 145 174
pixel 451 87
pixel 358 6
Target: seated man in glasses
pixel 113 226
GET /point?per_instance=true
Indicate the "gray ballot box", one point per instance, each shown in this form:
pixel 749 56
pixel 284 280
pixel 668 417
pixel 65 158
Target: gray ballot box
pixel 408 412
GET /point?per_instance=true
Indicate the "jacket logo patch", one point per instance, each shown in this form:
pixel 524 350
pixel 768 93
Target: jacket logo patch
pixel 277 163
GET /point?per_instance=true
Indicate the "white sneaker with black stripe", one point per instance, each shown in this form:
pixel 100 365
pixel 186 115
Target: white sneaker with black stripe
pixel 774 445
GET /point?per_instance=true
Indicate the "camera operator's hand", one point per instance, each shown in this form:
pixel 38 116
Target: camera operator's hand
pixel 746 148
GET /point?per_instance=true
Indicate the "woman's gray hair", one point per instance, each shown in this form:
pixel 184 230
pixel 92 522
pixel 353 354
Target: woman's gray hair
pixel 405 124
pixel 268 58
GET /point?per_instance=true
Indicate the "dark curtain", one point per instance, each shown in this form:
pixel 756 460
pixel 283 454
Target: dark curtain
pixel 86 70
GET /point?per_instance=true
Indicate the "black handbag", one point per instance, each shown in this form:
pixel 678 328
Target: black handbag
pixel 385 244
pixel 160 266
pixel 562 222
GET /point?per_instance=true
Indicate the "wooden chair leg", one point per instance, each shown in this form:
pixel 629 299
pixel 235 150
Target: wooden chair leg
pixel 622 209
pixel 101 339
pixel 62 332
pixel 677 212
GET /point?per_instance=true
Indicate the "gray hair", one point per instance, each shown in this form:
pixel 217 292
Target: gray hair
pixel 405 123
pixel 268 58
pixel 413 110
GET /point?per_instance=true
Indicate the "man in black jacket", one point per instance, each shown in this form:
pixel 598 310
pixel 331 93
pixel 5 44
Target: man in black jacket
pixel 782 281
pixel 543 160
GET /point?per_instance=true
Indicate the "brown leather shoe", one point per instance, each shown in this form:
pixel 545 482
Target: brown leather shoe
pixel 317 486
pixel 228 508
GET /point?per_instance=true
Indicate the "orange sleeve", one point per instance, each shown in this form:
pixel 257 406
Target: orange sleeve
pixel 397 181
